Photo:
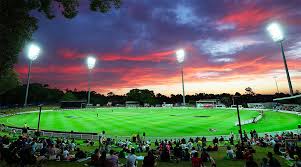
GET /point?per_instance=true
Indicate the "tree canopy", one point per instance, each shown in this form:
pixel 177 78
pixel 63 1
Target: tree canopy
pixel 17 24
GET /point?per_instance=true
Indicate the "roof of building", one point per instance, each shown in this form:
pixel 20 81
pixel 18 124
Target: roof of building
pixel 288 98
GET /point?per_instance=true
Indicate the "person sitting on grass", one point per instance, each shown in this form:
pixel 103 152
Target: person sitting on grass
pixel 239 151
pixel 192 152
pixel 251 163
pixel 165 156
pixel 102 161
pixel 273 162
pixel 131 159
pixel 215 148
pixel 95 157
pixel 209 148
pixel 122 153
pixel 297 161
pixel 149 160
pixel 205 156
pixel 215 141
pixel 186 155
pixel 221 140
pixel 113 159
pixel 79 154
pixel 230 153
pixel 196 160
pixel 66 155
pixel 177 152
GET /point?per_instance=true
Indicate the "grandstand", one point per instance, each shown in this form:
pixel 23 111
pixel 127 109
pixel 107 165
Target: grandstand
pixel 291 103
pixel 132 104
pixel 208 103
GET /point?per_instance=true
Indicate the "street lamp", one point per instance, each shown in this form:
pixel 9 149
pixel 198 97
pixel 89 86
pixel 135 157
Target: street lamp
pixel 90 64
pixel 180 57
pixel 32 53
pixel 276 34
pixel 275 78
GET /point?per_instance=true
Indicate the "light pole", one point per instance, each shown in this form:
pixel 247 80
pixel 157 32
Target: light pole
pixel 275 78
pixel 238 117
pixel 277 35
pixel 180 57
pixel 90 64
pixel 32 54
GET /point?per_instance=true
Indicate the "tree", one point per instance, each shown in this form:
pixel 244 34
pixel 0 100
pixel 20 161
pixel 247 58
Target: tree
pixel 8 81
pixel 69 96
pixel 110 94
pixel 142 95
pixel 226 99
pixel 249 91
pixel 17 24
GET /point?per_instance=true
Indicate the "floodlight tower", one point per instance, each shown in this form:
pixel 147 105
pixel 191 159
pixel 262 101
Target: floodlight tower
pixel 276 34
pixel 33 53
pixel 90 64
pixel 180 57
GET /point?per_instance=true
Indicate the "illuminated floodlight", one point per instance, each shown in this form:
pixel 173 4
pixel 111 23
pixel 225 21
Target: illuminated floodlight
pixel 91 62
pixel 275 31
pixel 33 52
pixel 180 55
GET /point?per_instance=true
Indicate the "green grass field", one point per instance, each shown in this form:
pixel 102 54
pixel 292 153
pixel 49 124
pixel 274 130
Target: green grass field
pixel 159 122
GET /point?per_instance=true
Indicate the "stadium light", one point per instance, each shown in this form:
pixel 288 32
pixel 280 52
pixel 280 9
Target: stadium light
pixel 276 34
pixel 90 64
pixel 275 31
pixel 180 57
pixel 33 53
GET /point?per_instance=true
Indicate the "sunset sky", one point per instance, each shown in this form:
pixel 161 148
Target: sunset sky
pixel 227 46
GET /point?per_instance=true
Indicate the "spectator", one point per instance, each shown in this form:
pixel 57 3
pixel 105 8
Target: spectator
pixel 264 162
pixel 178 152
pixel 205 156
pixel 298 161
pixel 131 159
pixel 251 163
pixel 215 141
pixel 95 158
pixel 273 162
pixel 149 160
pixel 102 161
pixel 113 159
pixel 80 154
pixel 186 156
pixel 192 151
pixel 66 155
pixel 221 139
pixel 196 161
pixel 122 153
pixel 230 153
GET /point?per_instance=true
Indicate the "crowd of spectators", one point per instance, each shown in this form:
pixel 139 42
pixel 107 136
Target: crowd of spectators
pixel 287 107
pixel 26 150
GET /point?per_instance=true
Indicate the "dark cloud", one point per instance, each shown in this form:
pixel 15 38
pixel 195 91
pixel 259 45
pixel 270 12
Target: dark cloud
pixel 135 45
